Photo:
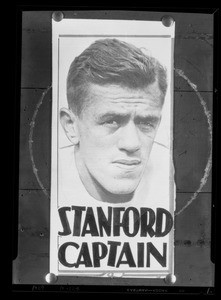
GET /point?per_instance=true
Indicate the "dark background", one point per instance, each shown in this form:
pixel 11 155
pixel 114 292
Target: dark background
pixel 194 55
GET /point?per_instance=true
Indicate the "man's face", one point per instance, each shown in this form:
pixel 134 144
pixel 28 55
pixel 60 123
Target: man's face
pixel 116 133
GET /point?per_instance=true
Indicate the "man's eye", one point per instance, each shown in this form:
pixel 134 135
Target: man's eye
pixel 112 123
pixel 146 124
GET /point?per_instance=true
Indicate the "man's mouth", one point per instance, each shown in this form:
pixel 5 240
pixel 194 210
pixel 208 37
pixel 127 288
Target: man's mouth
pixel 127 163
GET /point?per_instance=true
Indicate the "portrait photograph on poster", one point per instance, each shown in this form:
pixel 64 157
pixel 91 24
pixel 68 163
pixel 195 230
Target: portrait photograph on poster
pixel 117 187
pixel 112 180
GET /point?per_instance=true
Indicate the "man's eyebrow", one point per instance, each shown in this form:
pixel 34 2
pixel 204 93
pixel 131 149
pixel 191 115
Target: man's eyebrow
pixel 149 118
pixel 122 115
pixel 112 114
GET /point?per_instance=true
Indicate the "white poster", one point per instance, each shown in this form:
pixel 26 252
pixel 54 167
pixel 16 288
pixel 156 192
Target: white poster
pixel 112 176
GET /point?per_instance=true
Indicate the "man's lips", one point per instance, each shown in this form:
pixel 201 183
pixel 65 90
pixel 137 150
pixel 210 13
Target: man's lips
pixel 127 162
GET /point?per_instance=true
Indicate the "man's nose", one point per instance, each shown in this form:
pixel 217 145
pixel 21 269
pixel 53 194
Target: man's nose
pixel 129 139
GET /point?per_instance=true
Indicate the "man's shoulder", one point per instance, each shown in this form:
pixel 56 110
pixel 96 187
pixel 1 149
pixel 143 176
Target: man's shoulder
pixel 160 149
pixel 67 149
pixel 66 154
pixel 160 156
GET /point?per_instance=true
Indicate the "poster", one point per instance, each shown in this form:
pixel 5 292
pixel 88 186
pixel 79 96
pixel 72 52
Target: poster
pixel 112 175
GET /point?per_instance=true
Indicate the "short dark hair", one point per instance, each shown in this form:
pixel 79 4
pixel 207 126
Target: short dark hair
pixel 110 61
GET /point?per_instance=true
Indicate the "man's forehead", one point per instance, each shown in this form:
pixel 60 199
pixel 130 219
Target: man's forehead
pixel 116 94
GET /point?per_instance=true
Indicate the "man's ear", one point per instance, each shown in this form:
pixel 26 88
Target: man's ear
pixel 69 124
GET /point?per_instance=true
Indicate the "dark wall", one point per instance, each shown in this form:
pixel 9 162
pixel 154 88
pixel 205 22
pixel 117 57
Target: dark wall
pixel 194 56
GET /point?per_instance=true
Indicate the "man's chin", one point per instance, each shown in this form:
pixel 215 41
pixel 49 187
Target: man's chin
pixel 116 190
pixel 121 190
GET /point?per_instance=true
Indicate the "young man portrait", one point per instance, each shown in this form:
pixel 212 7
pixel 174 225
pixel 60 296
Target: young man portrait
pixel 115 95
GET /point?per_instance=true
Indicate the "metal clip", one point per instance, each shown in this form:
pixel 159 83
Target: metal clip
pixel 57 16
pixel 167 21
